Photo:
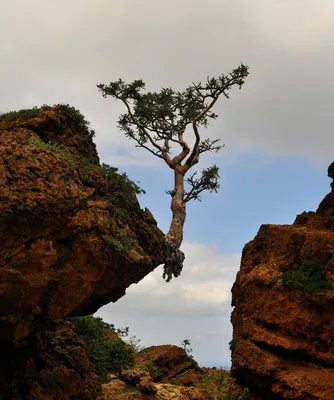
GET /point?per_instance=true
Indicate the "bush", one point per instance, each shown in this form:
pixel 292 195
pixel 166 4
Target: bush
pixel 106 356
pixel 24 114
pixel 120 180
pixel 220 385
pixel 233 344
pixel 309 276
pixel 73 116
pixel 122 242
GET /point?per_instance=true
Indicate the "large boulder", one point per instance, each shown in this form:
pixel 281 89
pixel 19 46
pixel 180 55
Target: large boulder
pixel 166 362
pixel 52 365
pixel 283 318
pixel 71 241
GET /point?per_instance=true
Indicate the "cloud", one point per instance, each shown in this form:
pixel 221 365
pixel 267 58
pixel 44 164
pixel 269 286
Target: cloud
pixel 285 108
pixel 196 305
pixel 203 289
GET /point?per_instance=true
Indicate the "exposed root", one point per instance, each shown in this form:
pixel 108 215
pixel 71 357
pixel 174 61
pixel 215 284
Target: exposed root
pixel 174 259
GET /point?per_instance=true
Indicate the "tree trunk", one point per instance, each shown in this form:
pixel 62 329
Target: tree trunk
pixel 178 207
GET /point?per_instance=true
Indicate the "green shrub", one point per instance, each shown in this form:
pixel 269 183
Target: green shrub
pixel 309 276
pixel 123 242
pixel 106 356
pixel 59 150
pixel 220 385
pixel 76 119
pixel 120 180
pixel 73 116
pixel 233 344
pixel 24 114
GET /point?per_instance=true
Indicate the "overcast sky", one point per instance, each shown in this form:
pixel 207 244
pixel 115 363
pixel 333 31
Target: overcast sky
pixel 277 129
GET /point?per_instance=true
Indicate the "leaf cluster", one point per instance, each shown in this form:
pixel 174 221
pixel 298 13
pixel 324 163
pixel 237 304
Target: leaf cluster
pixel 155 117
pixel 207 181
pixel 120 180
pixel 106 356
pixel 157 121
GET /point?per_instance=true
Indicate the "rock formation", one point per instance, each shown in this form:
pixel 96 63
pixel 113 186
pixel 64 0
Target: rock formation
pixel 72 239
pixel 168 373
pixel 283 320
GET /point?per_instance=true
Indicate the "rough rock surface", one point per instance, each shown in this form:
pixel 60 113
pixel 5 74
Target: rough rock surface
pixel 283 335
pixel 176 377
pixel 166 362
pixel 52 365
pixel 58 221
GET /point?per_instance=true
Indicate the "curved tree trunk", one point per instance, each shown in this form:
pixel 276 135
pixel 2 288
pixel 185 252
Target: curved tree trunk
pixel 178 207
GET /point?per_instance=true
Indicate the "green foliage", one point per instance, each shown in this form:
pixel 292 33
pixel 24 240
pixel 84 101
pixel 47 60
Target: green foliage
pixel 310 276
pixel 151 367
pixel 185 343
pixel 233 344
pixel 122 242
pixel 73 116
pixel 168 112
pixel 209 180
pixel 158 120
pixel 220 385
pixel 59 150
pixel 23 114
pixel 134 342
pixel 106 356
pixel 76 119
pixel 121 187
pixel 120 180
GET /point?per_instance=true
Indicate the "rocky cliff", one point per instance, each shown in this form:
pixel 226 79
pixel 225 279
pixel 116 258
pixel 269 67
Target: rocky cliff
pixel 283 298
pixel 72 236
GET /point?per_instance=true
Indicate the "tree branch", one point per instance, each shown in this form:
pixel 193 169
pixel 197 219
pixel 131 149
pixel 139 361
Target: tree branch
pixel 164 155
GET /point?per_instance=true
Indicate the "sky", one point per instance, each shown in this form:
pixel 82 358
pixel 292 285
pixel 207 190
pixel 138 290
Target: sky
pixel 277 130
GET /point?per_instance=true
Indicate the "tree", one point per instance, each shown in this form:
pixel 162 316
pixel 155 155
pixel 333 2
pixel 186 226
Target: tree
pixel 185 343
pixel 156 121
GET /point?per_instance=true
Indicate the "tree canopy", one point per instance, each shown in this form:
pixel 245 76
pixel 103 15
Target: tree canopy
pixel 157 122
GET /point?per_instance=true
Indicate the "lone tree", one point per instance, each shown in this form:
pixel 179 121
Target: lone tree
pixel 157 121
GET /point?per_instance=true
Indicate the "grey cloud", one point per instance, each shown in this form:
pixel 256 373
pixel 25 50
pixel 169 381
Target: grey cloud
pixel 58 52
pixel 194 306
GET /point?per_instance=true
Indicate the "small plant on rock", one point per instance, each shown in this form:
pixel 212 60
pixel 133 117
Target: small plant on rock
pixel 310 276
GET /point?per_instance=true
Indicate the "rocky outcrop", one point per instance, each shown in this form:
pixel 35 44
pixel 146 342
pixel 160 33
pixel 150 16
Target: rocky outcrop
pixel 166 372
pixel 283 320
pixel 72 239
pixel 166 362
pixel 63 227
pixel 52 365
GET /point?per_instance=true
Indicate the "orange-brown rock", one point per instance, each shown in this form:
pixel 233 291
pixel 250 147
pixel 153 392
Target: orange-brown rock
pixel 166 362
pixel 185 382
pixel 140 379
pixel 284 334
pixel 59 219
pixel 53 365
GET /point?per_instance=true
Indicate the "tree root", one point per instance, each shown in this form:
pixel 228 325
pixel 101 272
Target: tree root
pixel 174 259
